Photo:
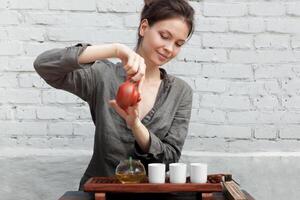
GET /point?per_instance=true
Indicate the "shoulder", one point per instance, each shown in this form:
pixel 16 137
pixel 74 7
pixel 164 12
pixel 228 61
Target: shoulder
pixel 180 86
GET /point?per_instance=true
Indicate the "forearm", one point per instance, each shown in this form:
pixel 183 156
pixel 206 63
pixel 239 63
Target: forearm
pixel 141 135
pixel 98 52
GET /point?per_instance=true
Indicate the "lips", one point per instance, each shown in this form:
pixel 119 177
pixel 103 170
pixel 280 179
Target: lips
pixel 162 57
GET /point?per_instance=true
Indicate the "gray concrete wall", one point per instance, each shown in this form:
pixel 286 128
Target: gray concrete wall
pixel 242 63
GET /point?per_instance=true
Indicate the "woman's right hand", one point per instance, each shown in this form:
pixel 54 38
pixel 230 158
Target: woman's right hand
pixel 133 63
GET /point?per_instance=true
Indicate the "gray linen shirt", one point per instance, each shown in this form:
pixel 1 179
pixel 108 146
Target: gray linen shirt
pixel 97 83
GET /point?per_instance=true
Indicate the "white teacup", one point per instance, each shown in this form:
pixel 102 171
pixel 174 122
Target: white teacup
pixel 156 172
pixel 198 172
pixel 177 172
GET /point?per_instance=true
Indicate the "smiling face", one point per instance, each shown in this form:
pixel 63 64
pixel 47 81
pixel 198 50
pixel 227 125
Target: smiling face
pixel 163 40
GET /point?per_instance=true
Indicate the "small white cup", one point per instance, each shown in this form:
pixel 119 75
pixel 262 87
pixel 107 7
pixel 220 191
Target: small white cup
pixel 156 172
pixel 177 172
pixel 198 172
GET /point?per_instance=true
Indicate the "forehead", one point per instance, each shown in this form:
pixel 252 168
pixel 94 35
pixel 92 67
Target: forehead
pixel 176 26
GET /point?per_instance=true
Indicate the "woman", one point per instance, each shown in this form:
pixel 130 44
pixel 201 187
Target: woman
pixel 154 130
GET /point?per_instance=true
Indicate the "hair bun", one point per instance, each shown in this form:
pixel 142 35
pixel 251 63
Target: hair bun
pixel 148 2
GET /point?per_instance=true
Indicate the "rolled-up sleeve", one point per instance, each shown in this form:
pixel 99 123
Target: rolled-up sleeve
pixel 60 69
pixel 168 149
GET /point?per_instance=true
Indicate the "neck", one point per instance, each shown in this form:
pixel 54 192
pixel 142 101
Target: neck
pixel 152 71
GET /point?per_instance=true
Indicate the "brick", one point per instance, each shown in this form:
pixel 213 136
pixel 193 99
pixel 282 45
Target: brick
pixel 295 42
pixel 59 96
pixel 210 85
pixel 271 41
pixel 76 5
pixel 266 102
pixel 265 132
pixel 267 9
pixel 220 131
pixel 8 48
pixel 3 34
pixel 250 25
pixel 293 8
pixel 290 132
pixel 225 102
pixel 91 35
pixel 3 64
pixel 23 96
pixel 24 128
pixel 60 128
pixel 9 18
pixel 31 81
pixel 194 40
pixel 3 3
pixel 119 6
pixel 210 24
pixel 278 71
pixel 246 88
pixel 291 86
pixel 227 41
pixel 72 19
pixel 230 71
pixel 26 34
pixel 6 113
pixel 132 20
pixel 183 68
pixel 54 113
pixel 81 112
pixel 208 115
pixel 224 9
pixel 20 64
pixel 28 4
pixel 206 55
pixel 196 100
pixel 25 112
pixel 84 129
pixel 263 56
pixel 243 117
pixel 291 102
pixel 291 117
pixel 33 49
pixel 254 117
pixel 8 80
pixel 288 25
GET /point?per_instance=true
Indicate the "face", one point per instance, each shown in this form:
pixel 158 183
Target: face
pixel 163 40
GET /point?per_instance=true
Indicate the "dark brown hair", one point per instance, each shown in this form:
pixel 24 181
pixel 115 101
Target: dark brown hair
pixel 157 10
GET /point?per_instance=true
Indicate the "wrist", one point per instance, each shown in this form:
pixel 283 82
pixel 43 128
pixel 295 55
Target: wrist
pixel 136 125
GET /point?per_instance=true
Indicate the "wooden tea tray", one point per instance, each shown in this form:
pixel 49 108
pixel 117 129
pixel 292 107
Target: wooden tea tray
pixel 101 185
pixel 111 184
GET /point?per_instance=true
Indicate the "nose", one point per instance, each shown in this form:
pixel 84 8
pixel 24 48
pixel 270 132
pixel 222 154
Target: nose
pixel 169 47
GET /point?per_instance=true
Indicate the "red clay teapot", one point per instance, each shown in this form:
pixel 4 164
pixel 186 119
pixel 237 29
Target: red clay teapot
pixel 128 94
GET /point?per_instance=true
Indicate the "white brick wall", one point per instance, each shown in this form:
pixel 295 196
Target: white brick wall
pixel 242 63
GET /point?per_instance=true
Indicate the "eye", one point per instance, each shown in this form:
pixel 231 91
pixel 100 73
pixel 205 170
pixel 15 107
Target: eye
pixel 164 36
pixel 179 44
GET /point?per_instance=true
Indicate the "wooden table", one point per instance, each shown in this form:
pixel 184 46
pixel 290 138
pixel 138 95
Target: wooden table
pixel 102 185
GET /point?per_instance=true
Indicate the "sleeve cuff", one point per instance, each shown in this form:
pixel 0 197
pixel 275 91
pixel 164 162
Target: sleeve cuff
pixel 72 54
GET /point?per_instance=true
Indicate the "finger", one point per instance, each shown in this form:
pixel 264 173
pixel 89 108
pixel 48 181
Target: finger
pixel 118 109
pixel 140 84
pixel 135 67
pixel 130 62
pixel 141 71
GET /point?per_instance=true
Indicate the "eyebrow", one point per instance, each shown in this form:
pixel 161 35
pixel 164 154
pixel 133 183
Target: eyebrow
pixel 181 40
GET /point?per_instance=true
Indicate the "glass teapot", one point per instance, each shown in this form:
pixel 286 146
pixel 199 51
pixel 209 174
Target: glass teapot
pixel 130 171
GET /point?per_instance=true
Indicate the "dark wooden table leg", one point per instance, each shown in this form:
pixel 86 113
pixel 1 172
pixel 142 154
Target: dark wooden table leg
pixel 207 196
pixel 100 196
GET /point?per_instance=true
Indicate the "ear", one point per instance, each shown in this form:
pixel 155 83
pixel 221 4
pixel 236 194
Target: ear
pixel 143 27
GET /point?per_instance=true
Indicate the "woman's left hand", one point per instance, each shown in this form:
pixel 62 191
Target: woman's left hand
pixel 130 115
